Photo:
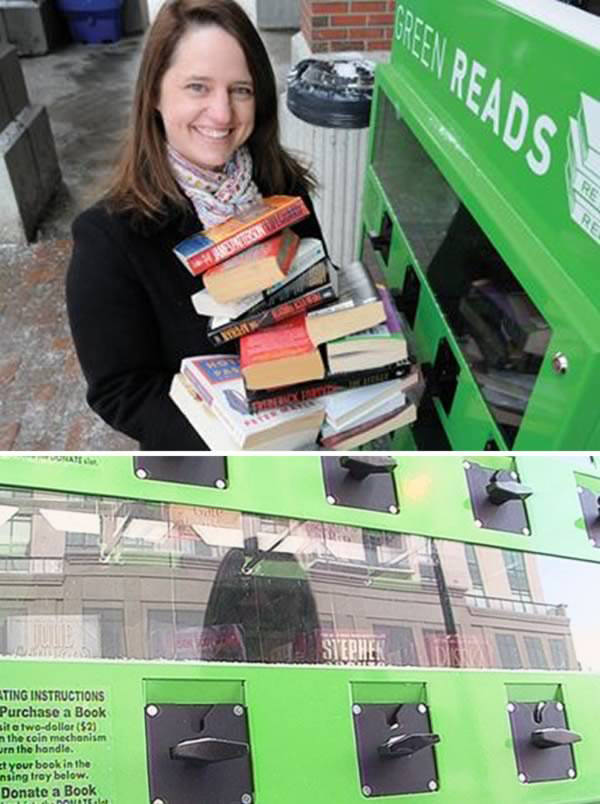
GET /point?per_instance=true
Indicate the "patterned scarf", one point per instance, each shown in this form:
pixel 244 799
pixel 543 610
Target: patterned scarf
pixel 216 195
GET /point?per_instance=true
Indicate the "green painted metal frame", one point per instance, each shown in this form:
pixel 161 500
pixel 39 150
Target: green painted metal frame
pixel 526 216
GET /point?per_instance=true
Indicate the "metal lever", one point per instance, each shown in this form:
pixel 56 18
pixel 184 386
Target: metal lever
pixel 404 745
pixel 360 468
pixel 552 737
pixel 208 749
pixel 502 491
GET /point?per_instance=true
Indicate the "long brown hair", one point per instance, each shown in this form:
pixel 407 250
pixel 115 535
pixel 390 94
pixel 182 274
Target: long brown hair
pixel 143 179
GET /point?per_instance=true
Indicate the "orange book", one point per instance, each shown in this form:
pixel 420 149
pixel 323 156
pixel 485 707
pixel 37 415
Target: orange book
pixel 280 355
pixel 217 243
pixel 254 269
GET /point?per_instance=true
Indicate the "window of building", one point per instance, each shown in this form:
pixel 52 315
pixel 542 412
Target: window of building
pixel 508 651
pixel 112 631
pixel 474 571
pixel 399 647
pixel 535 652
pixel 174 634
pixel 15 538
pixel 558 652
pixel 516 571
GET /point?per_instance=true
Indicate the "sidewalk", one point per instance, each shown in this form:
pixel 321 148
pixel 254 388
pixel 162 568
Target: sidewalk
pixel 87 91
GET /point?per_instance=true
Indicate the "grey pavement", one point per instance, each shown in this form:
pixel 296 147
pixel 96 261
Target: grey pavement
pixel 87 90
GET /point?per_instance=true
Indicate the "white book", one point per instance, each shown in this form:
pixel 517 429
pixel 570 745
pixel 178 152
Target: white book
pixel 589 119
pixel 579 177
pixel 387 406
pixel 310 251
pixel 218 437
pixel 347 408
pixel 404 417
pixel 584 215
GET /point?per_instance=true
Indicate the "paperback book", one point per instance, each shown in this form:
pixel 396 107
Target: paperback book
pixel 366 431
pixel 217 243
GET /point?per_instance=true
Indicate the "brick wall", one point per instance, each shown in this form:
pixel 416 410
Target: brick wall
pixel 352 25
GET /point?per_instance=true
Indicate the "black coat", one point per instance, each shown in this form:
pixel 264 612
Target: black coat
pixel 128 301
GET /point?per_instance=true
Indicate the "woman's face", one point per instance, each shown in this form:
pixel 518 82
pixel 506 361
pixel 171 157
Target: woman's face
pixel 207 97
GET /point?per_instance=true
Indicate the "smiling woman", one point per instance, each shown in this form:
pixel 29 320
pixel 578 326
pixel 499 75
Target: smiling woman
pixel 202 146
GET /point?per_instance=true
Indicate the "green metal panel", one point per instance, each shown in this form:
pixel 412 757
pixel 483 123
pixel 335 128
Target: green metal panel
pixel 518 195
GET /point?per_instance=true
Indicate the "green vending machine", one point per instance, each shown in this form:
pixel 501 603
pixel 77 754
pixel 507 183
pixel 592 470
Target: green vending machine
pixel 482 208
pixel 283 630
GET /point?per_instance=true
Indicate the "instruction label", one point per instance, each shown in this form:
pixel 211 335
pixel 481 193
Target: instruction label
pixel 55 746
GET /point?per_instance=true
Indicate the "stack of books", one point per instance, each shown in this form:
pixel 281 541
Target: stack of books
pixel 583 167
pixel 307 332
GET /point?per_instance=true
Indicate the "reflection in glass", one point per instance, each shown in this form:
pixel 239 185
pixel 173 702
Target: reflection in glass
pixel 183 582
pixel 501 332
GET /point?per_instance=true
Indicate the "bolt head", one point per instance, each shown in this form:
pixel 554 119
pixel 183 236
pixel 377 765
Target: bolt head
pixel 221 484
pixel 422 708
pixel 478 523
pixel 356 710
pixel 366 790
pixel 238 710
pixel 331 499
pixel 514 475
pixel 526 532
pixel 158 801
pixel 559 706
pixel 246 798
pixel 432 785
pixel 522 778
pixel 393 509
pixel 560 363
pixel 571 773
pixel 510 707
pixel 152 710
pixel 141 473
pixel 466 464
pixel 579 490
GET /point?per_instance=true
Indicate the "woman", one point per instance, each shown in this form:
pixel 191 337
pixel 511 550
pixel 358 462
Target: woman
pixel 203 144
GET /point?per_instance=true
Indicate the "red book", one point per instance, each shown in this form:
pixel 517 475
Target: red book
pixel 217 243
pixel 280 355
pixel 254 269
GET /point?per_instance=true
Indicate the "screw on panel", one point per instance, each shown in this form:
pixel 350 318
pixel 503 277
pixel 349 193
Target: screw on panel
pixel 514 475
pixel 466 464
pixel 510 707
pixel 422 708
pixel 356 710
pixel 560 363
pixel 579 490
pixel 478 523
pixel 151 710
pixel 526 532
pixel 238 710
pixel 571 773
pixel 331 499
pixel 522 778
pixel 246 798
pixel 366 790
pixel 393 509
pixel 221 484
pixel 159 801
pixel 141 473
pixel 432 785
pixel 559 706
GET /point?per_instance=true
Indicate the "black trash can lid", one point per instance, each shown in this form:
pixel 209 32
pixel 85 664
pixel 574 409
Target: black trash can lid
pixel 333 94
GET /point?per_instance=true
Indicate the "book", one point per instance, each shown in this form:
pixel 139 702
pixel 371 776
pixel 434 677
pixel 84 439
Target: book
pixel 589 123
pixel 348 408
pixel 217 381
pixel 366 431
pixel 333 383
pixel 253 269
pixel 584 215
pixel 579 178
pixel 359 307
pixel 217 243
pixel 280 355
pixel 376 346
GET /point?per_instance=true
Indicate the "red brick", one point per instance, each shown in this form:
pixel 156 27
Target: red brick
pixel 380 19
pixel 331 33
pixel 8 434
pixel 369 7
pixel 366 33
pixel 329 8
pixel 353 45
pixel 349 19
pixel 379 44
pixel 321 22
pixel 320 47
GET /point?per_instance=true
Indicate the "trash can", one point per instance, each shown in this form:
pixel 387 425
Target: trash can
pixel 325 123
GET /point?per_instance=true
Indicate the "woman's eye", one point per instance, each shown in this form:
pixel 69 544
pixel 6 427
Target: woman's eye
pixel 244 92
pixel 195 87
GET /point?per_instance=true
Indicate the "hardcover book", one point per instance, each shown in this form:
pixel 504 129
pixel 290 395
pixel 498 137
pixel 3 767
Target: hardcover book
pixel 280 355
pixel 217 380
pixel 217 243
pixel 253 269
pixel 261 400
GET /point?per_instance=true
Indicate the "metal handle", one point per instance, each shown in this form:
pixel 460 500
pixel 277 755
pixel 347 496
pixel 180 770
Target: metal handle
pixel 208 749
pixel 552 737
pixel 501 491
pixel 404 745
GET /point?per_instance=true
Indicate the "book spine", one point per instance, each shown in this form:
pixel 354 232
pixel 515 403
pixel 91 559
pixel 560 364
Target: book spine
pixel 583 215
pixel 254 233
pixel 589 189
pixel 270 316
pixel 267 400
pixel 197 385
